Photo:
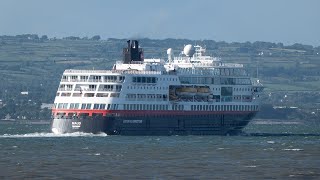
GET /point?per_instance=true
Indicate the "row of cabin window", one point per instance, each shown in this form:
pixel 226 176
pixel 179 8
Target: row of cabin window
pixel 94 78
pixel 147 87
pixel 89 94
pixel 196 80
pixel 232 72
pixel 216 71
pixel 243 89
pixel 108 87
pixel 141 97
pixel 146 107
pixel 109 78
pixel 236 89
pixel 141 79
pixel 167 79
pixel 159 107
pixel 210 80
pixel 92 87
pixel 159 88
pixel 242 97
pixel 224 107
pixel 177 107
pixel 214 98
pixel 115 106
pixel 235 81
pixel 86 106
pixel 153 80
pixel 66 87
pixel 151 107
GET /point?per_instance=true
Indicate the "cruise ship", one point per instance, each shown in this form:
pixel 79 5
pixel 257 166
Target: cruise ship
pixel 190 94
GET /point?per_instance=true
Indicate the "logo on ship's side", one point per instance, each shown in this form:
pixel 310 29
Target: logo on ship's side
pixel 132 121
pixel 76 125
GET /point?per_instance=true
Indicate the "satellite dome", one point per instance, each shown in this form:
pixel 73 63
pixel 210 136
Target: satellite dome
pixel 188 50
pixel 170 51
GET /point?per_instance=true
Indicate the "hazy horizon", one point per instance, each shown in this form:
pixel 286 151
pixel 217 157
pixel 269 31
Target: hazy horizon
pixel 283 21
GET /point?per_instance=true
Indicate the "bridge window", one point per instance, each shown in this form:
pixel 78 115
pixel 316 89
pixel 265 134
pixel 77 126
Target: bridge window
pixel 96 78
pixel 74 78
pixel 139 79
pixel 110 78
pixel 84 78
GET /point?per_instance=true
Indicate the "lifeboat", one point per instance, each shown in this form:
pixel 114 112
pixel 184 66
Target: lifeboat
pixel 203 91
pixel 186 91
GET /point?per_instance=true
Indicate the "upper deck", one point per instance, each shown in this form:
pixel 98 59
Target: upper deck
pixel 186 64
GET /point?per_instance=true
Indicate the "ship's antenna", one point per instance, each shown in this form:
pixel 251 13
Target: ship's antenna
pixel 257 68
pixel 170 54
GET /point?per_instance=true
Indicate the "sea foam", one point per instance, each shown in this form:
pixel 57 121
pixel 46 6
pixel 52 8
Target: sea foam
pixel 46 135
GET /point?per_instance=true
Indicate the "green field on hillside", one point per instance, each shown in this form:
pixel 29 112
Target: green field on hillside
pixel 36 65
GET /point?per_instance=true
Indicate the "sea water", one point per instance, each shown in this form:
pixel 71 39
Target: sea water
pixel 266 151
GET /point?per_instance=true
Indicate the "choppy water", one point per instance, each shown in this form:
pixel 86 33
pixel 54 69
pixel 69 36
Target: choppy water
pixel 31 151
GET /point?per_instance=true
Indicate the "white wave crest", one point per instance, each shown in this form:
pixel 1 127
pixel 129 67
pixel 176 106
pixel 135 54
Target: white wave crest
pixel 292 149
pixel 45 135
pixel 251 166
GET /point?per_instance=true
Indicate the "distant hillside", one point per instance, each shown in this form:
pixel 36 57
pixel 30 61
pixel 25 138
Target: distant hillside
pixel 35 64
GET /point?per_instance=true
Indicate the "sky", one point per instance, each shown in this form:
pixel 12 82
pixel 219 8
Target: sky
pixel 286 21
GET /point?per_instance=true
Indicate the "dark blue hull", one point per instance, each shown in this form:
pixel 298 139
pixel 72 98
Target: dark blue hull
pixel 213 124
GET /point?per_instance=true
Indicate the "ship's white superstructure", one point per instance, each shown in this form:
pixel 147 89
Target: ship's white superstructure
pixel 188 94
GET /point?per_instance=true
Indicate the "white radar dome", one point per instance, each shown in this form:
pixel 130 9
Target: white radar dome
pixel 170 51
pixel 188 50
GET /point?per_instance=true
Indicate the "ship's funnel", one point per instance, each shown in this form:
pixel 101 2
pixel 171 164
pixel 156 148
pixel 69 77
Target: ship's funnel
pixel 132 52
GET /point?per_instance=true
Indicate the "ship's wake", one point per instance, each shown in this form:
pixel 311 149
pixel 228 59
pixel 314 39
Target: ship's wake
pixel 52 135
